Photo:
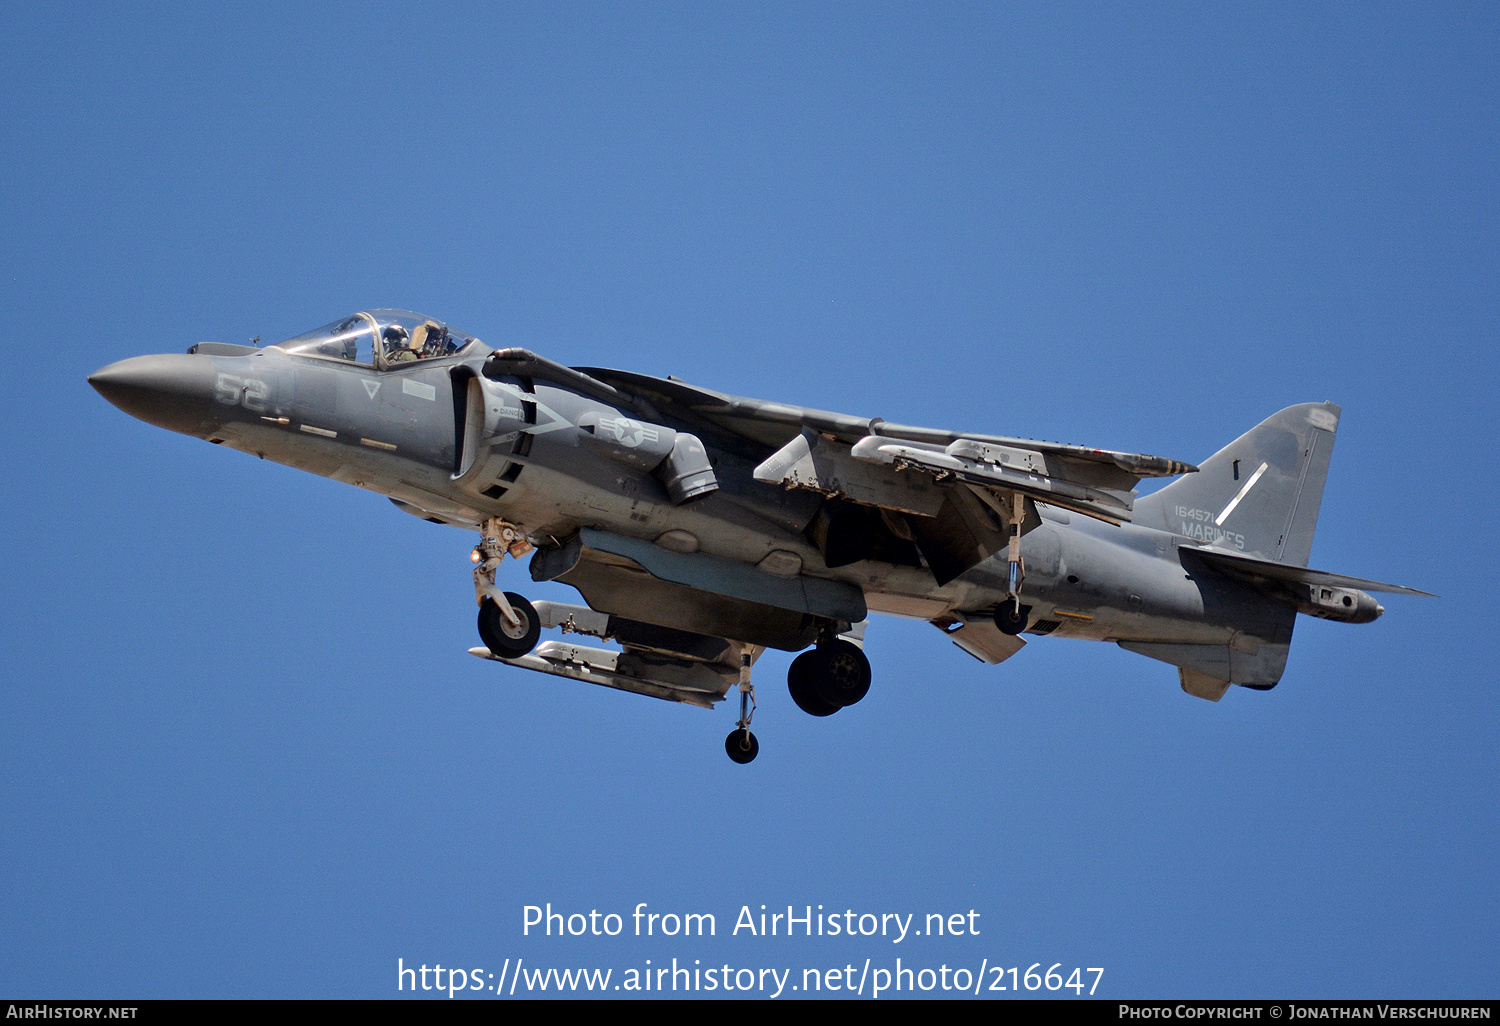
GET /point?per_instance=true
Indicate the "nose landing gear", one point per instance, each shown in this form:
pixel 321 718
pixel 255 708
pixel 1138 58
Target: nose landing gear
pixel 508 624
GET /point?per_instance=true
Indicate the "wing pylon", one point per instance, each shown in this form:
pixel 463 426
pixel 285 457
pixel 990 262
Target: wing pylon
pixel 673 665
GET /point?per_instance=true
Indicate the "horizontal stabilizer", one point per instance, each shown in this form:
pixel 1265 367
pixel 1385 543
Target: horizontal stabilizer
pixel 1250 567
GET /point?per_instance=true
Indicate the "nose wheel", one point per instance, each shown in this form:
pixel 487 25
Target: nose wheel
pixel 509 637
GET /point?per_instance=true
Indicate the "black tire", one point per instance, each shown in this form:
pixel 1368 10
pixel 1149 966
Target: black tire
pixel 741 746
pixel 842 673
pixel 799 681
pixel 501 638
pixel 1006 619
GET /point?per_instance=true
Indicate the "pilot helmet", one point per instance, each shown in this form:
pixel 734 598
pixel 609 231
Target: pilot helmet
pixel 396 335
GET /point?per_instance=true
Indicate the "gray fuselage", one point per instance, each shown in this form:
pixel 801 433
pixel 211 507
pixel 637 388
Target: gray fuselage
pixel 401 431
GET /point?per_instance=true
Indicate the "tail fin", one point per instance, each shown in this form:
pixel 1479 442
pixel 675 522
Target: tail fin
pixel 1259 494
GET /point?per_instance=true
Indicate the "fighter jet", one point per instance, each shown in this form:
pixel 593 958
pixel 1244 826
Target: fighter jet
pixel 702 528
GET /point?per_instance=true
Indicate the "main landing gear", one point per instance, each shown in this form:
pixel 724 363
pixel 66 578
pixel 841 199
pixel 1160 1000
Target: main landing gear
pixel 822 681
pixel 825 679
pixel 508 624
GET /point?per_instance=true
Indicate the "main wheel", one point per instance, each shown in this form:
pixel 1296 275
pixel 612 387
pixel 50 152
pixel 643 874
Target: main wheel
pixel 1007 620
pixel 741 745
pixel 841 673
pixel 501 637
pixel 800 680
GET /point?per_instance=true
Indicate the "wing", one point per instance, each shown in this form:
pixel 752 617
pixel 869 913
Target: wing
pixel 950 494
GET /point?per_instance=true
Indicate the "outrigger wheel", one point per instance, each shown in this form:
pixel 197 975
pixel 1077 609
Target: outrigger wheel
pixel 503 638
pixel 1011 617
pixel 741 745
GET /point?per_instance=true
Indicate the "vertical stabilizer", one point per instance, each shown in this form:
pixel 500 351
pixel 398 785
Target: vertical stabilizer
pixel 1260 494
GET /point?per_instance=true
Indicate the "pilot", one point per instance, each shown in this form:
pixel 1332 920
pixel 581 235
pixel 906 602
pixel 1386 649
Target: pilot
pixel 430 339
pixel 398 347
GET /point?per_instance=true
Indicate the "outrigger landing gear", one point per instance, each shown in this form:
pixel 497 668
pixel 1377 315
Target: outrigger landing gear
pixel 741 744
pixel 508 624
pixel 1011 617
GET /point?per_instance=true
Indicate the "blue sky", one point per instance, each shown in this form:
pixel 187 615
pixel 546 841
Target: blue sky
pixel 242 749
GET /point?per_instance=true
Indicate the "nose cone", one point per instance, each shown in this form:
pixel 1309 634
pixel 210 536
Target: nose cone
pixel 171 391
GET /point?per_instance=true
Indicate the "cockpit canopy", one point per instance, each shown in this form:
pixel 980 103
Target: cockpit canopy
pixel 380 338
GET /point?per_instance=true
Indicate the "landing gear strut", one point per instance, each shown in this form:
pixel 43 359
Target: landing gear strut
pixel 1011 617
pixel 741 744
pixel 508 624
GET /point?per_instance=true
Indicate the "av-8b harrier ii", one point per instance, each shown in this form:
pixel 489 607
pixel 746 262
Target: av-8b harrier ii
pixel 702 528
